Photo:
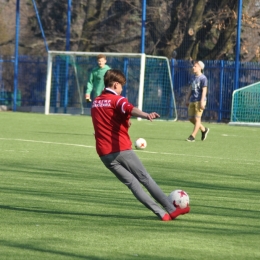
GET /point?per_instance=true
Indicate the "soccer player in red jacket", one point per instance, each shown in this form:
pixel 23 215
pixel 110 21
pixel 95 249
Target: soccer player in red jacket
pixel 111 114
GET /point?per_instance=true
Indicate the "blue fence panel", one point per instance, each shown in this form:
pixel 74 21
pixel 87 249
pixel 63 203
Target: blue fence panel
pixel 249 73
pixel 6 79
pixel 181 76
pixel 228 87
pixel 32 80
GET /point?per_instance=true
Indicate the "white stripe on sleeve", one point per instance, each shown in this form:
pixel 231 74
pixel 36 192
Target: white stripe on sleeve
pixel 122 106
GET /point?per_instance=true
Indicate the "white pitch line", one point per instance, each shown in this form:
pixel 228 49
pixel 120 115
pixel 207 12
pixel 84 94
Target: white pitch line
pixel 143 151
pixel 201 156
pixel 45 142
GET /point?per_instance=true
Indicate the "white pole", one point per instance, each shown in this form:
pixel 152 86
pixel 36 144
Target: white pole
pixel 48 85
pixel 141 84
pixel 77 81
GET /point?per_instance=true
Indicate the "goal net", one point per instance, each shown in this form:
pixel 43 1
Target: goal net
pixel 246 106
pixel 148 87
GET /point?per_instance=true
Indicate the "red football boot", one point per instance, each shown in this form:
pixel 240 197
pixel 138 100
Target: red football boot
pixel 178 211
pixel 166 217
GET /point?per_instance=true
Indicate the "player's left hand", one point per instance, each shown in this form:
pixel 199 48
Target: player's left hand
pixel 202 105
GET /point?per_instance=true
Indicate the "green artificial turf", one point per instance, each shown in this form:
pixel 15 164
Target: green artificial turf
pixel 58 201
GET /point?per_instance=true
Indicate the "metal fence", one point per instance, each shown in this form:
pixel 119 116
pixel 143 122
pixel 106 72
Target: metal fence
pixel 220 74
pixel 145 26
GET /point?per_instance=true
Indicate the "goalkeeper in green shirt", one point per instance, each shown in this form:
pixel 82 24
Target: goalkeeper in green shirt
pixel 96 79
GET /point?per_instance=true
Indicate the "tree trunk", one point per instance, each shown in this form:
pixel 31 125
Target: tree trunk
pixel 194 24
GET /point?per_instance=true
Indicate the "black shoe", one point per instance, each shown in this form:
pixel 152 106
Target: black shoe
pixel 204 134
pixel 190 139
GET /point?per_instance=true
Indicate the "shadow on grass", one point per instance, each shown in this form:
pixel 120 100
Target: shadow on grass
pixel 92 215
pixel 52 253
pixel 34 248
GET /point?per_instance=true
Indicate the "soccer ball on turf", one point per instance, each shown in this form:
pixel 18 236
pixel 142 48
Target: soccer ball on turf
pixel 179 198
pixel 140 144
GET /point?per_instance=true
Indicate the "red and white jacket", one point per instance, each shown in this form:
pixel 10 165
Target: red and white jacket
pixel 110 116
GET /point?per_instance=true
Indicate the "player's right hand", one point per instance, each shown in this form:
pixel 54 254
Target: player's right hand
pixel 152 116
pixel 87 96
pixel 202 105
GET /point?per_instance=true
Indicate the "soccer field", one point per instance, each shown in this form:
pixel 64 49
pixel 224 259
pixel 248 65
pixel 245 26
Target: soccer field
pixel 58 201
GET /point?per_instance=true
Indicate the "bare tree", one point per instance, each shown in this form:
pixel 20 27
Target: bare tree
pixel 191 29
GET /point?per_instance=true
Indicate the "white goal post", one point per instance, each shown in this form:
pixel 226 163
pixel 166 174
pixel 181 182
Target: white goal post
pixel 149 84
pixel 245 110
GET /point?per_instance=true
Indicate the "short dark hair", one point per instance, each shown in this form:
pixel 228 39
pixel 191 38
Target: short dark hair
pixel 100 56
pixel 114 75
